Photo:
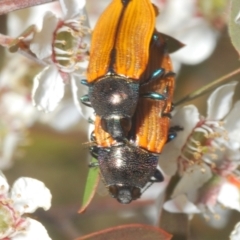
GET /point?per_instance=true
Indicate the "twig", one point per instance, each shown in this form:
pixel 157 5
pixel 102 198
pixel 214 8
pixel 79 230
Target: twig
pixel 16 45
pixel 7 6
pixel 208 88
pixel 3 29
pixel 5 40
pixel 176 224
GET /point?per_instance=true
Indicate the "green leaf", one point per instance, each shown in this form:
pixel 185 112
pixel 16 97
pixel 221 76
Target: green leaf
pixel 131 231
pixel 90 187
pixel 234 24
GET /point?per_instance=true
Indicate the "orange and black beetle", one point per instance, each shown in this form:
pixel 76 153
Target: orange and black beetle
pixel 129 166
pixel 119 56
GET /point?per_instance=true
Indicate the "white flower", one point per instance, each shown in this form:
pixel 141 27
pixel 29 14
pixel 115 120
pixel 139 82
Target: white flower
pixel 8 146
pixel 229 194
pixel 62 45
pixel 196 143
pixel 204 157
pixel 181 204
pixel 65 117
pixel 21 19
pixel 17 114
pixel 182 20
pixel 26 195
pixel 235 234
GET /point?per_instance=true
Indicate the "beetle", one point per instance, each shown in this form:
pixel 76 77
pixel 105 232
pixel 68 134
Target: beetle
pixel 150 130
pixel 126 169
pixel 119 55
pixel 128 166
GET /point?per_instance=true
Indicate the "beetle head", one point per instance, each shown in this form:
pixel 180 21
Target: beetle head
pixel 126 169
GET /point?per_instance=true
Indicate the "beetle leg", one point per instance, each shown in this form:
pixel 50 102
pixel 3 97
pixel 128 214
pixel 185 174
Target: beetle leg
pixel 157 177
pixel 93 165
pixel 153 95
pixel 172 107
pixel 169 74
pixel 167 115
pixel 85 100
pixel 157 74
pixel 91 121
pixel 92 136
pixel 172 133
pixel 171 136
pixel 94 152
pixel 84 82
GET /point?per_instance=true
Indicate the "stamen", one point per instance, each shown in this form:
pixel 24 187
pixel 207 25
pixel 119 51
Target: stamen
pixel 197 155
pixel 201 130
pixel 210 130
pixel 63 42
pixel 214 156
pixel 63 29
pixel 60 51
pixel 182 156
pixel 72 32
pixel 191 147
pixel 191 139
pixel 61 58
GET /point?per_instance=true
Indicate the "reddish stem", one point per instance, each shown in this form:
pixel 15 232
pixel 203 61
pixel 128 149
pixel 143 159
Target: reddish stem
pixel 7 6
pixel 5 40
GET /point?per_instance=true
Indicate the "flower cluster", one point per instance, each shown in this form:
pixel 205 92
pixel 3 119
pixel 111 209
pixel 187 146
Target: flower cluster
pixel 62 45
pixel 26 196
pixel 17 112
pixel 206 155
pixel 190 22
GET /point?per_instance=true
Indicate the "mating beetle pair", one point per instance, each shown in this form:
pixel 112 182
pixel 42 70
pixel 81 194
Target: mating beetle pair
pixel 131 85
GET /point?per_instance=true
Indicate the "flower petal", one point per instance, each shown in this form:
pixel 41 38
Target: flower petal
pixel 29 194
pixel 184 11
pixel 64 117
pixel 220 101
pixel 35 231
pixel 229 196
pixel 186 117
pixel 41 43
pixel 237 19
pixel 192 179
pixel 168 159
pixel 4 187
pixel 8 148
pixel 235 234
pixel 72 8
pixel 232 121
pixel 192 30
pixel 48 89
pixel 180 204
pixel 199 39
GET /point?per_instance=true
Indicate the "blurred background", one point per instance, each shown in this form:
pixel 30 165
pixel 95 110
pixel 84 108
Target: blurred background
pixel 51 148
